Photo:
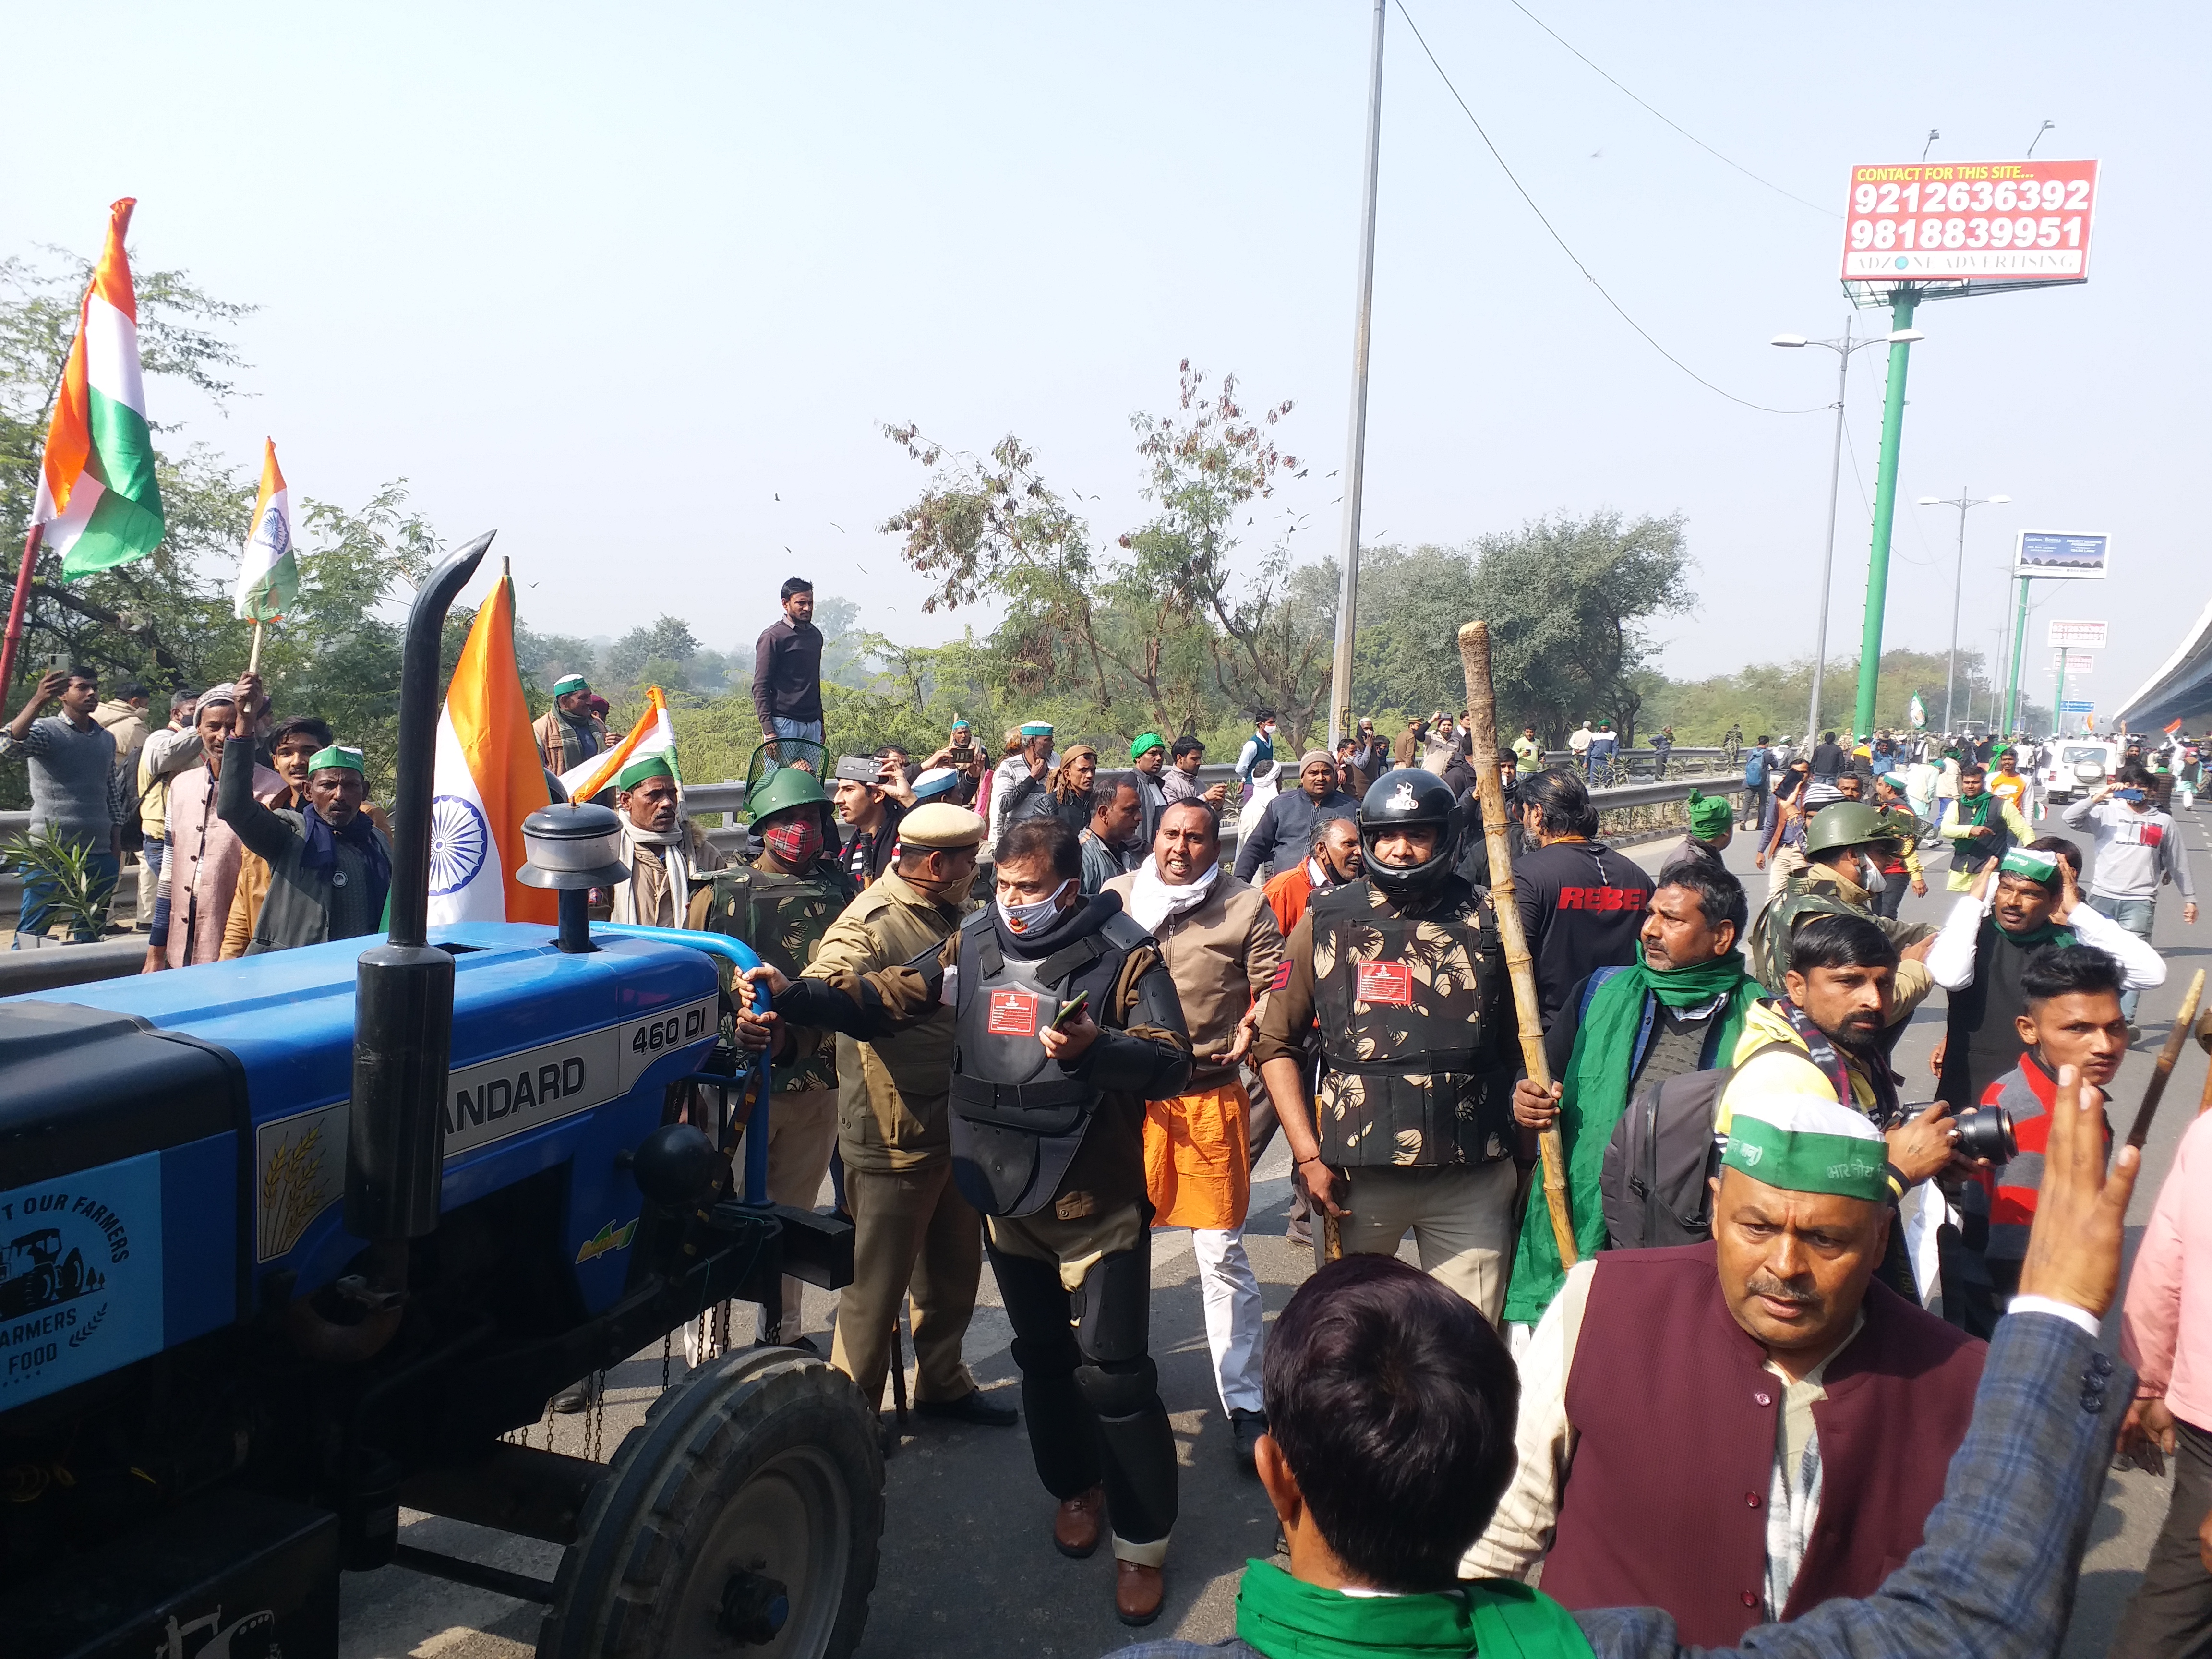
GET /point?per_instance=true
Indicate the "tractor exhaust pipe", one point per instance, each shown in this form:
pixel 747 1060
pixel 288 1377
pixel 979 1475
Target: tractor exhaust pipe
pixel 403 989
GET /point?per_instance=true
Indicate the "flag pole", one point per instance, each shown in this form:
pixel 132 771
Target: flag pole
pixel 16 605
pixel 253 661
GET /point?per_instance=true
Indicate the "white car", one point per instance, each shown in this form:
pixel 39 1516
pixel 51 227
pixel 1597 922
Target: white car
pixel 2077 766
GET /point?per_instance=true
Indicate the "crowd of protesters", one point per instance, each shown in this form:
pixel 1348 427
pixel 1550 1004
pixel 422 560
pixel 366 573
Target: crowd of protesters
pixel 1725 1325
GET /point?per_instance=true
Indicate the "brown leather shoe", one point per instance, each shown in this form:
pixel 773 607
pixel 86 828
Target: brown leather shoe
pixel 1076 1527
pixel 1137 1592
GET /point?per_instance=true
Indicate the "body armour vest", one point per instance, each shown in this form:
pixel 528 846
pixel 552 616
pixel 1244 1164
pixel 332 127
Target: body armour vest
pixel 1408 1009
pixel 1018 1119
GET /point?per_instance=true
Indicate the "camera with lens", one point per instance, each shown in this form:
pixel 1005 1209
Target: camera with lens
pixel 1986 1132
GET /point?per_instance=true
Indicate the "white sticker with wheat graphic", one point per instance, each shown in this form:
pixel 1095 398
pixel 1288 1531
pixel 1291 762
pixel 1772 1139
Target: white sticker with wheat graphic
pixel 300 1172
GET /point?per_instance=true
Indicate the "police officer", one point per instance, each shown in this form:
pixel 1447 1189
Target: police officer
pixel 781 904
pixel 911 1225
pixel 1843 843
pixel 1066 1023
pixel 1404 974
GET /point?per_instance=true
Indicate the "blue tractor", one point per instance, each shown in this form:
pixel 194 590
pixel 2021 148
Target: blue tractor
pixel 290 1243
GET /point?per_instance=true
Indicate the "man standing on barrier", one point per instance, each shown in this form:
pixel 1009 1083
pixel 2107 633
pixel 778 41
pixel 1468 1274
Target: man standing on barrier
pixel 1066 1023
pixel 1405 974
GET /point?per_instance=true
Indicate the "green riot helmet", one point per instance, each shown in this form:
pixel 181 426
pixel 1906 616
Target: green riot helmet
pixel 1410 795
pixel 1845 823
pixel 781 790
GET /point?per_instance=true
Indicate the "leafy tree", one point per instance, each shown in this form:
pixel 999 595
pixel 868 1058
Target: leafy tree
pixel 1567 601
pixel 661 654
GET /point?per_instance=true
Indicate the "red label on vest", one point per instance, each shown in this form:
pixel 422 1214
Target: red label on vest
pixel 1388 983
pixel 1013 1013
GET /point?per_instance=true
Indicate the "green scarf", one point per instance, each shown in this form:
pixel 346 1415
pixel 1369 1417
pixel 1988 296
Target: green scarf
pixel 1283 1618
pixel 2048 932
pixel 1594 1094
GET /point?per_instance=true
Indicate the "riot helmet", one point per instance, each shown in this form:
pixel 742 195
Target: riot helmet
pixel 1410 795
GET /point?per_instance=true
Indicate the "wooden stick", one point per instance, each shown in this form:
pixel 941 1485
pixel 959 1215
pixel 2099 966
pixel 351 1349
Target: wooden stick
pixel 1482 722
pixel 2167 1057
pixel 1332 1238
pixel 253 662
pixel 2204 1037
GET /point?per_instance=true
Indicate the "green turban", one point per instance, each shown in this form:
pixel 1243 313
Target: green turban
pixel 1710 815
pixel 1145 744
pixel 653 766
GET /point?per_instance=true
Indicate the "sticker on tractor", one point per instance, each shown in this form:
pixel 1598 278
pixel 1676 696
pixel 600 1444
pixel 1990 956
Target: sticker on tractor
pixel 80 1276
pixel 608 1238
pixel 299 1172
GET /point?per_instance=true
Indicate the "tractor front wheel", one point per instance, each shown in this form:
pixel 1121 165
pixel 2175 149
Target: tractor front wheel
pixel 743 1516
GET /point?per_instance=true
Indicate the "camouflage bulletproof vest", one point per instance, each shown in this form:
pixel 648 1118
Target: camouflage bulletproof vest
pixel 1407 1008
pixel 783 918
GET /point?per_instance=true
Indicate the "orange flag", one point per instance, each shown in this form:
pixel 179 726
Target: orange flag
pixel 490 778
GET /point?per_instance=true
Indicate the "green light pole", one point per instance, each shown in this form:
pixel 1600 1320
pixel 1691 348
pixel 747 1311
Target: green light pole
pixel 1902 334
pixel 2019 643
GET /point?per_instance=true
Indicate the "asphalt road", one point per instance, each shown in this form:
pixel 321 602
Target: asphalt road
pixel 968 1565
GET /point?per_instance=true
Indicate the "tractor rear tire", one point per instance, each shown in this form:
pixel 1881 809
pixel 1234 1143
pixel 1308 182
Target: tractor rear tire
pixel 761 1473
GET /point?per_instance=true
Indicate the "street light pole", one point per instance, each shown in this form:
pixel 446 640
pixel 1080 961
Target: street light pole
pixel 1843 349
pixel 1828 554
pixel 1962 501
pixel 1347 598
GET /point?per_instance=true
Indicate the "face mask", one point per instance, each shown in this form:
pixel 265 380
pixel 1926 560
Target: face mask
pixel 1870 875
pixel 796 844
pixel 1028 918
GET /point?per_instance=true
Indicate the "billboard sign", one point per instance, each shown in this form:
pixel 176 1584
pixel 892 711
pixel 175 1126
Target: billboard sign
pixel 2077 708
pixel 1970 221
pixel 2083 636
pixel 2079 664
pixel 2048 553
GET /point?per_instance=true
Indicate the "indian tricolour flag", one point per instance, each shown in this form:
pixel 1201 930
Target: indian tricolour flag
pixel 653 734
pixel 268 573
pixel 97 496
pixel 490 778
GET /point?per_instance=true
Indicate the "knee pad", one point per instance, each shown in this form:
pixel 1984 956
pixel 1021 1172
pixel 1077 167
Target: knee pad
pixel 1119 1389
pixel 1113 1309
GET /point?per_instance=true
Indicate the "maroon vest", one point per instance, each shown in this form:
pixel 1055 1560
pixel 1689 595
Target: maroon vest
pixel 1665 1504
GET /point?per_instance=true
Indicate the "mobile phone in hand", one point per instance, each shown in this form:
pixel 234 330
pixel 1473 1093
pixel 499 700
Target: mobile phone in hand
pixel 1071 1012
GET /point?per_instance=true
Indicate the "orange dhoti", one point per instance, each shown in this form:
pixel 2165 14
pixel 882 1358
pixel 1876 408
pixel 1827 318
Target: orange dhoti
pixel 1198 1165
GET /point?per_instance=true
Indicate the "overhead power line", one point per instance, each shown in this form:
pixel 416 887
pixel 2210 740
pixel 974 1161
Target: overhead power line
pixel 1669 120
pixel 1572 256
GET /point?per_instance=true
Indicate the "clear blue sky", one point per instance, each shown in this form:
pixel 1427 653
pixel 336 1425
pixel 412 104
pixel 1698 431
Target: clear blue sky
pixel 613 281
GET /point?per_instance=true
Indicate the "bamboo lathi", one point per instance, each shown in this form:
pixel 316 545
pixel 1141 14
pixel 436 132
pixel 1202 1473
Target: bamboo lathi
pixel 1490 790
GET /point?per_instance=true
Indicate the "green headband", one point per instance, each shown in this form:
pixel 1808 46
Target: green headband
pixel 1803 1144
pixel 338 755
pixel 1146 743
pixel 2031 862
pixel 653 766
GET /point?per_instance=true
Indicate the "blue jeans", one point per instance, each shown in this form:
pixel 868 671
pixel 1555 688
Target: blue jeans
pixel 811 731
pixel 39 895
pixel 2135 915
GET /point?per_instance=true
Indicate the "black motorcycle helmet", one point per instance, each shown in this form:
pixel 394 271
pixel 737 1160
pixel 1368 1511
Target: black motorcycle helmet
pixel 1407 794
